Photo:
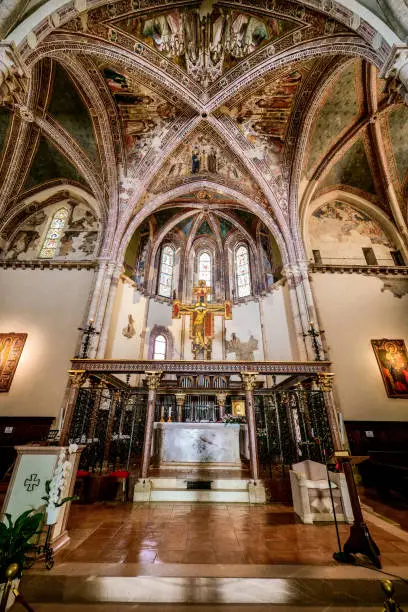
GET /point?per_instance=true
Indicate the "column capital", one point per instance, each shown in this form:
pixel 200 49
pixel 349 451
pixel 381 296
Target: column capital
pixel 78 377
pixel 180 398
pixel 13 74
pixel 395 69
pixel 221 397
pixel 153 379
pixel 249 380
pixel 325 381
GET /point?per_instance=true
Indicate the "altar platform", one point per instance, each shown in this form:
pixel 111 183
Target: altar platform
pixel 199 462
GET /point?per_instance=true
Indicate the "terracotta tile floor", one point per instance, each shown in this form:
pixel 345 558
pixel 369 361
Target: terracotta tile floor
pixel 207 533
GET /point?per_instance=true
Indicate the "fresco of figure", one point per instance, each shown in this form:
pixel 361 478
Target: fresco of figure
pixel 212 161
pixel 195 161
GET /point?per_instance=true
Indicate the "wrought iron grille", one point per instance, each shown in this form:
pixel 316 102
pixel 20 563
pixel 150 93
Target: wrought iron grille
pixel 111 424
pixel 292 426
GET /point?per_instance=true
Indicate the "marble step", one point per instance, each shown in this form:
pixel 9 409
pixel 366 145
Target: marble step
pixel 286 592
pixel 191 495
pixel 236 484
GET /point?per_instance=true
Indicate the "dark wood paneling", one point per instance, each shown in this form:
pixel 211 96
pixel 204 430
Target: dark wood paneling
pixel 15 431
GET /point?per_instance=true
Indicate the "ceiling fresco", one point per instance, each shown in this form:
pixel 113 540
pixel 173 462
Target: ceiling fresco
pixel 398 133
pixel 68 108
pixel 352 169
pixel 205 156
pixel 49 164
pixel 268 99
pixel 263 116
pixel 205 40
pixel 338 111
pixel 146 116
pixel 5 116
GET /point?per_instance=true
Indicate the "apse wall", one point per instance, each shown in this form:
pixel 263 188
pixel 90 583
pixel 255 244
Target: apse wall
pixel 48 305
pixel 354 309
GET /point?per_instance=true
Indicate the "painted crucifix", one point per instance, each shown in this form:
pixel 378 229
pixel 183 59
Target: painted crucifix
pixel 201 318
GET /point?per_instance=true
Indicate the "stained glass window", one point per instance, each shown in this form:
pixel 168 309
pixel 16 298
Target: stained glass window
pixel 166 271
pixel 53 237
pixel 242 271
pixel 204 268
pixel 159 352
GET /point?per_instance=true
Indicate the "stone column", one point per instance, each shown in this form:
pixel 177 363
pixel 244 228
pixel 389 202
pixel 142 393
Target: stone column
pixel 221 399
pixel 249 380
pixel 325 384
pixel 153 382
pixel 180 399
pixel 78 377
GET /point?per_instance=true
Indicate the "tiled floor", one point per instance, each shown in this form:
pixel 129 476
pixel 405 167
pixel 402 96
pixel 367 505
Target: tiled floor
pixel 208 534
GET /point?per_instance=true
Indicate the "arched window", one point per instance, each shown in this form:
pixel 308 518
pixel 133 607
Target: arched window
pixel 204 268
pixel 53 237
pixel 166 271
pixel 160 345
pixel 242 271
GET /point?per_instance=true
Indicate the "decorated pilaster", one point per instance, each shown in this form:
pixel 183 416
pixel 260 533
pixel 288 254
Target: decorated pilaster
pixel 180 399
pixel 221 399
pixel 249 380
pixel 153 382
pixel 325 384
pixel 302 304
pixel 78 378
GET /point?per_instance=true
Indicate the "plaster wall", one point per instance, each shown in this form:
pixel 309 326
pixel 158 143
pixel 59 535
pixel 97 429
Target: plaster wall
pixel 279 332
pixel 353 310
pixel 160 314
pixel 128 301
pixel 48 305
pixel 246 322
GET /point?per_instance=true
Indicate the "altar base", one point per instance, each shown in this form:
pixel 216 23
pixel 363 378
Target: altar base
pixel 223 490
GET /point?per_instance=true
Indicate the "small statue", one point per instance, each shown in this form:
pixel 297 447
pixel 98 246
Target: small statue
pixel 129 331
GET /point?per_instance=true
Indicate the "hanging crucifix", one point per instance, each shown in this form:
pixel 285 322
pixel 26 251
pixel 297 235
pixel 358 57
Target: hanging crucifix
pixel 201 318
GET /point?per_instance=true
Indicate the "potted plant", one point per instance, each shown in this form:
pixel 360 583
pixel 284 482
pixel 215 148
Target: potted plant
pixel 15 546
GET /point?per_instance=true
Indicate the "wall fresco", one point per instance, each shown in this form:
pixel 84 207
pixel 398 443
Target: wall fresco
pixel 78 240
pixel 340 232
pixel 5 116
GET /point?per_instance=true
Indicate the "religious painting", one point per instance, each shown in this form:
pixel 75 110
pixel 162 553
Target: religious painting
pixel 238 407
pixel 392 360
pixel 205 42
pixel 11 347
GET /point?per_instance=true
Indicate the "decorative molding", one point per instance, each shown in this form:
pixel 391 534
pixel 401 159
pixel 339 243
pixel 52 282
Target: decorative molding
pixel 45 264
pixel 121 366
pixel 360 269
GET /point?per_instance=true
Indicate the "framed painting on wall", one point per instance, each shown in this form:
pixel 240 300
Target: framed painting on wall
pixel 11 347
pixel 392 360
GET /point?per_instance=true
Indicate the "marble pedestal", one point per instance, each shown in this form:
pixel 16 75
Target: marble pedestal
pixel 197 443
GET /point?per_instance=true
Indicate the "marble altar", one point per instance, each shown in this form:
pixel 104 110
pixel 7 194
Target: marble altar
pixel 205 443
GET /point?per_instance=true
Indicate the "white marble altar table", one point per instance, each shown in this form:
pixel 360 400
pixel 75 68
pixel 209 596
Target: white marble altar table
pixel 199 443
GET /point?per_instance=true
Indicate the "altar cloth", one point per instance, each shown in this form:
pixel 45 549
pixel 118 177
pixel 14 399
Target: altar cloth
pixel 197 443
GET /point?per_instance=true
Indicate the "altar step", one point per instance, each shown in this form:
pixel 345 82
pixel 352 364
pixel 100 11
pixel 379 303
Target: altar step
pixel 223 490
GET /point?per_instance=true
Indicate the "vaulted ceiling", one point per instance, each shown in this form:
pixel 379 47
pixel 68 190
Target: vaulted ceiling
pixel 269 104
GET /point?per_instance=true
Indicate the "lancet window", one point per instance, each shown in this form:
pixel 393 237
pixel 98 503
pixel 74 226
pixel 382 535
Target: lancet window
pixel 160 346
pixel 242 271
pixel 204 268
pixel 52 240
pixel 166 271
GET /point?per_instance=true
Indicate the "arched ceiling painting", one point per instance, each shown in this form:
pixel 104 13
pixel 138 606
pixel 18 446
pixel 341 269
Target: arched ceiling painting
pixel 268 104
